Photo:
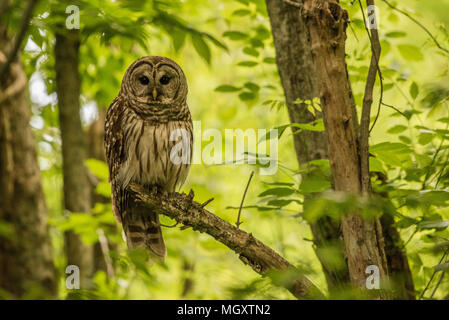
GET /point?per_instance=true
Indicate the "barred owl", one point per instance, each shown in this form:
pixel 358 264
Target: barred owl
pixel 148 140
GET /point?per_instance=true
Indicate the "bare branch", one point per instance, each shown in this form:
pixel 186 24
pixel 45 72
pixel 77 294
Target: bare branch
pixel 105 250
pixel 238 223
pixel 251 251
pixel 367 102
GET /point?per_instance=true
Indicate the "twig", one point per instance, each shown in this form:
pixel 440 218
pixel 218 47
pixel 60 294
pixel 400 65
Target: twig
pixel 395 109
pixel 105 250
pixel 238 223
pixel 168 226
pixel 418 23
pixel 251 251
pixel 374 43
pixel 368 100
pixel 431 278
pixel 19 38
pixel 207 202
pixel 437 285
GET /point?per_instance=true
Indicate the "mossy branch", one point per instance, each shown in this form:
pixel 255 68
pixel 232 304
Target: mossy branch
pixel 251 251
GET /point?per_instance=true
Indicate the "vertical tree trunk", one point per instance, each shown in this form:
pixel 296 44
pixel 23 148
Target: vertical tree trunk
pixel 363 238
pixel 299 80
pixel 76 186
pixel 95 150
pixel 25 252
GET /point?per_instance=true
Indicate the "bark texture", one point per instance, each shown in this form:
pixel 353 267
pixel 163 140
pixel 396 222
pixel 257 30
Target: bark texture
pixel 25 252
pixel 299 80
pixel 363 239
pixel 251 251
pixel 76 186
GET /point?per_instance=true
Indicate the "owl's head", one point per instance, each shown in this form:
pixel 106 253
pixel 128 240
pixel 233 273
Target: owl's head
pixel 155 81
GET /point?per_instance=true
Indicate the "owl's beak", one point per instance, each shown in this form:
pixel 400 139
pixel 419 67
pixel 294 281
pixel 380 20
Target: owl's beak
pixel 154 94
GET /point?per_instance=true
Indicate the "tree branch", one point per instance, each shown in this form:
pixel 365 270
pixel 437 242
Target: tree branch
pixel 418 23
pixel 28 14
pixel 368 101
pixel 251 251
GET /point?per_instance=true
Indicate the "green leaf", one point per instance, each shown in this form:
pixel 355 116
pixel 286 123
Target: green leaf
pixel 444 120
pixel 227 88
pixel 252 86
pixel 235 35
pixel 280 192
pixel 104 189
pixel 282 202
pixel 241 12
pixel 410 52
pixel 405 222
pixel 405 139
pixel 201 47
pixel 425 138
pixel 395 34
pixel 256 43
pixel 375 165
pixel 397 129
pixel 247 64
pixel 269 60
pixel 98 168
pixel 390 153
pixel 263 33
pixel 247 95
pixel 316 126
pixel 179 39
pixel 314 183
pixel 251 51
pixel 414 90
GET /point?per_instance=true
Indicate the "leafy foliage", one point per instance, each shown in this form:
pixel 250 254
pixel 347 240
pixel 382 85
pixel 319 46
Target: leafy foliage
pixel 226 49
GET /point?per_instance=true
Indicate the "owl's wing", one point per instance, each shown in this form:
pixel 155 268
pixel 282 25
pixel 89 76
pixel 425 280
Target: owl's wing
pixel 115 154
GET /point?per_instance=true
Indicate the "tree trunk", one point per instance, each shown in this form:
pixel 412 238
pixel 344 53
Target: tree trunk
pixel 363 238
pixel 76 186
pixel 26 262
pixel 299 80
pixel 95 150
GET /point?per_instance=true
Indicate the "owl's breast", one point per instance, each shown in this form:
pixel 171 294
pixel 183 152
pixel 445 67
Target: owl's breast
pixel 151 154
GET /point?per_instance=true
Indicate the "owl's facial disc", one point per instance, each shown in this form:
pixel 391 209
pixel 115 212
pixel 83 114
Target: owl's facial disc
pixel 143 81
pixel 166 83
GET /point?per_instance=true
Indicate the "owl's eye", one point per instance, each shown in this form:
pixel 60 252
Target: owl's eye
pixel 164 80
pixel 144 80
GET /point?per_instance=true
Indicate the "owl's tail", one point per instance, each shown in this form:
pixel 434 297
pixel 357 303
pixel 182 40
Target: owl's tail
pixel 142 230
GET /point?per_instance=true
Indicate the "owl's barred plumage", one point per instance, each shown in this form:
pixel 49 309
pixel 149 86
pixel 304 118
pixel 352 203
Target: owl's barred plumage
pixel 145 127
